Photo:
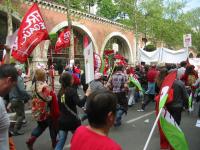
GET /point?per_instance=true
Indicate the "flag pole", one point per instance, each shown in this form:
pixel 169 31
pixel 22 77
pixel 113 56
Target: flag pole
pixel 51 68
pixel 152 130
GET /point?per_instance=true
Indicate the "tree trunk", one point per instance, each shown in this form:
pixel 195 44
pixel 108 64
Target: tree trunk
pixel 71 49
pixel 9 18
pixel 10 29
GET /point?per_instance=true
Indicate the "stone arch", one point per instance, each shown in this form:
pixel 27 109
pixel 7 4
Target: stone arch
pixel 81 26
pixel 122 36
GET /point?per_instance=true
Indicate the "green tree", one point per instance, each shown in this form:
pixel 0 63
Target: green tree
pixel 192 20
pixel 106 8
pixel 75 4
pixel 88 4
pixel 159 20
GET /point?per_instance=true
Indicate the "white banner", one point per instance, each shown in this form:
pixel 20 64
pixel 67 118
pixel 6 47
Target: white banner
pixel 172 56
pixel 149 57
pixel 163 55
pixel 89 63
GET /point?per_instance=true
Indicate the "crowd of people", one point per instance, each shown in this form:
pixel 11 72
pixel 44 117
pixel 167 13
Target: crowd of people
pixel 105 102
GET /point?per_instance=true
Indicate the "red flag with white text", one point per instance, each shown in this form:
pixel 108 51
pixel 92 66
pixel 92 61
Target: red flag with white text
pixel 31 32
pixel 63 40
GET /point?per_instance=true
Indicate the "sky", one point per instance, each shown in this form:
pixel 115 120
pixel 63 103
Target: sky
pixel 192 4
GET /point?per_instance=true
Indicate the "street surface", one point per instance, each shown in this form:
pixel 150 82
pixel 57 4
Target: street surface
pixel 132 135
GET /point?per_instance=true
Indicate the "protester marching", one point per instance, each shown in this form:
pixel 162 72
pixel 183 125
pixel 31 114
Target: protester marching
pixel 83 101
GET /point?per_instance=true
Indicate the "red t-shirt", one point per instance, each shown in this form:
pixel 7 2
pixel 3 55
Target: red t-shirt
pixel 151 75
pixel 85 139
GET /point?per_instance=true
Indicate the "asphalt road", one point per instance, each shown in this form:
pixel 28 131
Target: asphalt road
pixel 132 135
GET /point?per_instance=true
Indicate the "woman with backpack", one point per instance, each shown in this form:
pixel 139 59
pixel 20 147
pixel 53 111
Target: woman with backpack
pixel 41 109
pixel 68 99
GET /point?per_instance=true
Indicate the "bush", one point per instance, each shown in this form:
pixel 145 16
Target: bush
pixel 150 48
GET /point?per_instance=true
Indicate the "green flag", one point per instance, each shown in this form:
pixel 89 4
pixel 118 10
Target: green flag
pixel 173 133
pixel 136 83
pixel 190 101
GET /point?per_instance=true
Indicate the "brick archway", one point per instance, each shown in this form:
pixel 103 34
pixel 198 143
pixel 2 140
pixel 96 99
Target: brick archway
pixel 81 26
pixel 118 34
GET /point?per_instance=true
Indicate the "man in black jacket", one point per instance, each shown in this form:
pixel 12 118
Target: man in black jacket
pixel 180 100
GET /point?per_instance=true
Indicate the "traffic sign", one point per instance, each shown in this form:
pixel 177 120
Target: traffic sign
pixel 187 40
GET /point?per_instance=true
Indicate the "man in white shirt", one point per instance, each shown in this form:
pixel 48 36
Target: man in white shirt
pixel 8 78
pixel 181 70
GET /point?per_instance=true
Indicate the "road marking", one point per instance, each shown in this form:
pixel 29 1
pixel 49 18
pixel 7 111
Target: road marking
pixel 13 114
pixel 138 118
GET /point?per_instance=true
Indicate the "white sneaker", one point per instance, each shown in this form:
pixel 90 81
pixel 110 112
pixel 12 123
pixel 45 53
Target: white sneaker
pixel 140 110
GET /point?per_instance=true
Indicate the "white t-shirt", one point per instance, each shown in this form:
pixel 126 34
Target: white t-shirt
pixel 4 126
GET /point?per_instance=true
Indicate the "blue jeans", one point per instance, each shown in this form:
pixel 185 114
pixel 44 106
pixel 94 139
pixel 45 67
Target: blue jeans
pixel 61 137
pixel 118 119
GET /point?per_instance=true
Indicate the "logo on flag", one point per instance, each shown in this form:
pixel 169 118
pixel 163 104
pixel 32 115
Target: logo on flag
pixel 63 40
pixel 31 32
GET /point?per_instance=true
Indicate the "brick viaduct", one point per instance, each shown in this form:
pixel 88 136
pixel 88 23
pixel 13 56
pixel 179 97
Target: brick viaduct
pixel 100 30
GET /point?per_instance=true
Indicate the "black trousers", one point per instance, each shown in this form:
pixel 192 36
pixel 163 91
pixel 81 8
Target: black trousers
pixel 147 99
pixel 176 113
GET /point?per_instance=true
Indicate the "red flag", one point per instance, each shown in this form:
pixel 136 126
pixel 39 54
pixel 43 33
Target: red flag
pixel 118 56
pixel 31 32
pixel 85 41
pixel 54 109
pixel 165 88
pixel 63 40
pixel 108 52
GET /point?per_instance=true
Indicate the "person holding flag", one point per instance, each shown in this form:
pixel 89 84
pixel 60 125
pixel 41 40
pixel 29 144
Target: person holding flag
pixel 134 86
pixel 169 105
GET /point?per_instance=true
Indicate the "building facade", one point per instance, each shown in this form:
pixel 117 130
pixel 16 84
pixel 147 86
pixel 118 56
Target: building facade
pixel 103 33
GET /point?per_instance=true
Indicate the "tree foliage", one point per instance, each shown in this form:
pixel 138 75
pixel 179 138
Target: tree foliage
pixel 160 20
pixel 75 4
pixel 192 19
pixel 106 8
